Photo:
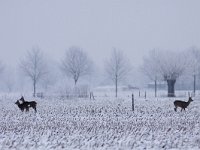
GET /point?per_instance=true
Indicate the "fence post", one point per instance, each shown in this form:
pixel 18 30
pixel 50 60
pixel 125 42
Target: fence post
pixel 93 96
pixel 139 93
pixel 132 102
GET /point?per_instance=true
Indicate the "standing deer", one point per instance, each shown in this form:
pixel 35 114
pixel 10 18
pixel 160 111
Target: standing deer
pixel 182 104
pixel 25 104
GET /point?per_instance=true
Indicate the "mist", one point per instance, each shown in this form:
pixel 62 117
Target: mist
pixel 99 74
pixel 134 27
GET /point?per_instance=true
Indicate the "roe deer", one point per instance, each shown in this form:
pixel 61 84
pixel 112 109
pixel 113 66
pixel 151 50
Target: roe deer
pixel 26 104
pixel 182 104
pixel 22 106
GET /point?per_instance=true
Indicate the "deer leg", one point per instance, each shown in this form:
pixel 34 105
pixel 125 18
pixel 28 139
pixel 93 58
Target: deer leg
pixel 35 108
pixel 175 109
pixel 27 109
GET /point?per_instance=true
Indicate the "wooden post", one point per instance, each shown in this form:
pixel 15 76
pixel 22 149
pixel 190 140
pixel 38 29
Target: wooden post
pixel 139 93
pixel 93 96
pixel 155 88
pixel 132 102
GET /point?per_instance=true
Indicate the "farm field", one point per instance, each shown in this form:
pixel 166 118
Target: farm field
pixel 103 123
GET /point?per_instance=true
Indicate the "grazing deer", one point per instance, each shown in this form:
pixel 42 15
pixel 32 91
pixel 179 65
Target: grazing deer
pixel 25 104
pixel 182 104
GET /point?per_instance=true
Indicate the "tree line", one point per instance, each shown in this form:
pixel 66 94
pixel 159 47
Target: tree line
pixel 158 65
pixel 170 65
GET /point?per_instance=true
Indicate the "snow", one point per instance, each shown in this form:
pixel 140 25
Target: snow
pixel 103 123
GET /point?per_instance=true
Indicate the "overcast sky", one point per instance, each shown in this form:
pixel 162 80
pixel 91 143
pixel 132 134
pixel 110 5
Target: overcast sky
pixel 134 26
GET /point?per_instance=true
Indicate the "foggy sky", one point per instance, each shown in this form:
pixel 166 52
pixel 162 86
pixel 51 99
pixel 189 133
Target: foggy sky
pixel 134 26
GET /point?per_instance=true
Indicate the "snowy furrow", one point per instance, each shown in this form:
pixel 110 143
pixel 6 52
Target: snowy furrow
pixel 100 124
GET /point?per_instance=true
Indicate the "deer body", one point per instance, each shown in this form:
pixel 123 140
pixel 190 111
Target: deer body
pixel 25 105
pixel 22 106
pixel 182 104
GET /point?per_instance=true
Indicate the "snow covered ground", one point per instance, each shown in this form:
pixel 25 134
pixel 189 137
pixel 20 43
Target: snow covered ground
pixel 103 123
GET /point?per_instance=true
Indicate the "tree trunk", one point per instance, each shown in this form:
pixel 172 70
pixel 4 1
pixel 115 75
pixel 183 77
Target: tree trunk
pixel 75 79
pixel 75 82
pixel 116 87
pixel 194 84
pixel 34 88
pixel 170 84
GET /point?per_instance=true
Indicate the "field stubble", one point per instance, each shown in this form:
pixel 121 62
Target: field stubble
pixel 100 124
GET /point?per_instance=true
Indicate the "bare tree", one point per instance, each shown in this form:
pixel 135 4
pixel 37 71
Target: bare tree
pixel 151 68
pixel 76 63
pixel 117 68
pixel 34 67
pixel 172 65
pixel 168 65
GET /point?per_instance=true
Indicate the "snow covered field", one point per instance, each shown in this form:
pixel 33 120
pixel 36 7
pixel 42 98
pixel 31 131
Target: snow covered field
pixel 103 123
